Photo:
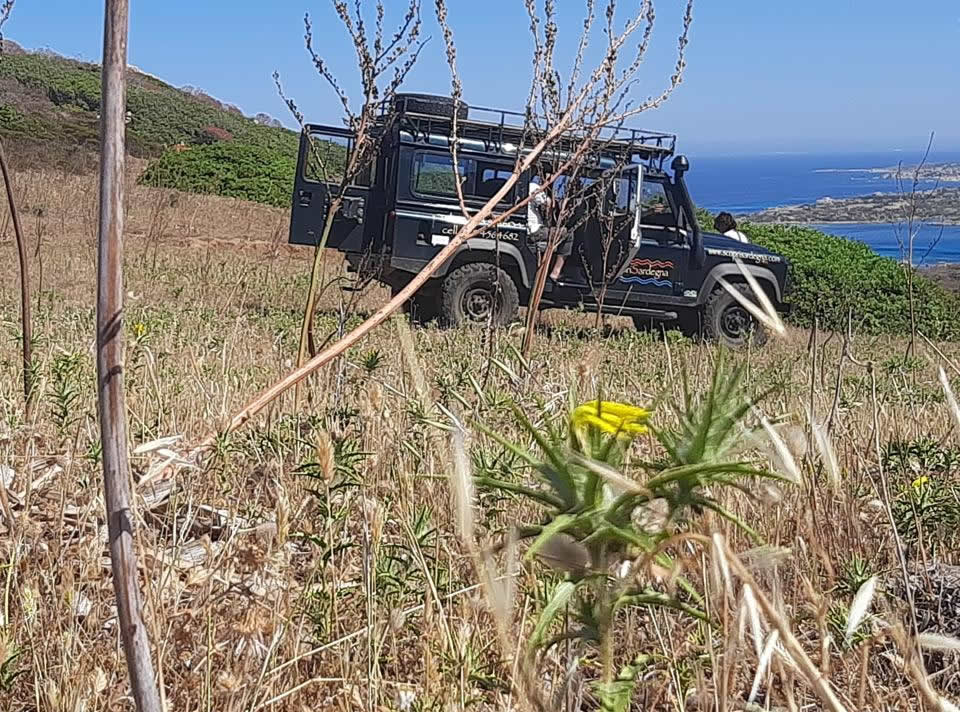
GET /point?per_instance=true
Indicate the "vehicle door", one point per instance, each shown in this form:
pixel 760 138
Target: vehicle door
pixel 607 227
pixel 663 253
pixel 321 164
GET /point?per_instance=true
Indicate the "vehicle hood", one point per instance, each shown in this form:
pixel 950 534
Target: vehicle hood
pixel 723 246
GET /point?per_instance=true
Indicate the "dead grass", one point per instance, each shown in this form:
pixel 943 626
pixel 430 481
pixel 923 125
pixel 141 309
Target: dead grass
pixel 314 563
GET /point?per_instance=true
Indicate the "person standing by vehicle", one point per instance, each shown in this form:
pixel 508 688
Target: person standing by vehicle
pixel 537 207
pixel 727 226
pixel 538 210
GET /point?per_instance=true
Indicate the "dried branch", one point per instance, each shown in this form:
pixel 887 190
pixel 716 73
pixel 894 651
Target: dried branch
pixel 373 64
pixel 602 101
pixel 456 93
pixel 26 320
pixel 582 47
pixel 5 9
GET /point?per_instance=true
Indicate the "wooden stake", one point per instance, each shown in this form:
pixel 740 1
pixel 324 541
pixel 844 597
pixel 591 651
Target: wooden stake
pixel 110 360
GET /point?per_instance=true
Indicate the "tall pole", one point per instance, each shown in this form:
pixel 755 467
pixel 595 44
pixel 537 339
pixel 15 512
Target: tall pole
pixel 110 359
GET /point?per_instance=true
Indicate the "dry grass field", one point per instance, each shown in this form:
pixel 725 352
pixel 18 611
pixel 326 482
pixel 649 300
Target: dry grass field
pixel 317 559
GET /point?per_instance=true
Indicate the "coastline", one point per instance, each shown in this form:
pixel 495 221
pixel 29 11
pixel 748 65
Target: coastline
pixel 803 223
pixel 935 208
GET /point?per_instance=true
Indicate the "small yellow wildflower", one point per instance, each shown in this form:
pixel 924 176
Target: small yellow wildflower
pixel 139 329
pixel 611 417
pixel 920 482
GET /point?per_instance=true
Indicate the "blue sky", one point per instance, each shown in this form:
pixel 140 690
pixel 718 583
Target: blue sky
pixel 763 75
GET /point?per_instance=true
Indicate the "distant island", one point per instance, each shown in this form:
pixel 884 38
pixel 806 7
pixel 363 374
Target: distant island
pixel 939 206
pixel 942 172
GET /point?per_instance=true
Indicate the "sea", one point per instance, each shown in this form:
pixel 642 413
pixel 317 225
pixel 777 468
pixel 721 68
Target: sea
pixel 747 184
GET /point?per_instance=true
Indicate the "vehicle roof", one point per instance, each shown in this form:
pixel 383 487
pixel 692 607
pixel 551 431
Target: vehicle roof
pixel 499 132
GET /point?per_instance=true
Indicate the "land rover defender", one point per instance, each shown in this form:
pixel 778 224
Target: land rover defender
pixel 637 250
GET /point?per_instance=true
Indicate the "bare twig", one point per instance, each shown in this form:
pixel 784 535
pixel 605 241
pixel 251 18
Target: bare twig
pixel 5 9
pixel 25 319
pixel 110 362
pixel 373 62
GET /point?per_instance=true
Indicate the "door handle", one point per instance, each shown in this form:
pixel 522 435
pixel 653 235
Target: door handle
pixel 305 198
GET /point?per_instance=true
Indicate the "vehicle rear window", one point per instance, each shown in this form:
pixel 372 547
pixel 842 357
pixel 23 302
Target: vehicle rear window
pixel 326 159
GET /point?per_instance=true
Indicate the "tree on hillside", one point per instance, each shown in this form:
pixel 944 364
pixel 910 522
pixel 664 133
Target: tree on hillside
pixel 383 63
pixel 564 121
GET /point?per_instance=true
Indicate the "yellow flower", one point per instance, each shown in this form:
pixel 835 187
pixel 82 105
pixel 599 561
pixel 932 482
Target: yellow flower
pixel 611 417
pixel 920 482
pixel 139 329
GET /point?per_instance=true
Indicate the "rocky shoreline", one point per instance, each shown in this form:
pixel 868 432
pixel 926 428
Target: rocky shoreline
pixel 939 206
pixel 942 172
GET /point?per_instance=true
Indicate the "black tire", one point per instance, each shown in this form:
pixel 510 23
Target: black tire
pixel 471 291
pixel 725 320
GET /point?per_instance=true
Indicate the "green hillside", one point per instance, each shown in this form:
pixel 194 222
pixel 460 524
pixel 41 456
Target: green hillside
pixel 50 99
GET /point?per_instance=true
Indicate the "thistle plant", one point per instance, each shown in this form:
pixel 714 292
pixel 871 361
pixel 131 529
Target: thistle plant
pixel 599 502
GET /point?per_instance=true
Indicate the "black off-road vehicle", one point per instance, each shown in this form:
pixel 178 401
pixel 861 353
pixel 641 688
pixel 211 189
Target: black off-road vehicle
pixel 637 251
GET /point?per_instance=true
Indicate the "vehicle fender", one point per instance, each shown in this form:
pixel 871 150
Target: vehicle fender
pixel 760 273
pixel 507 251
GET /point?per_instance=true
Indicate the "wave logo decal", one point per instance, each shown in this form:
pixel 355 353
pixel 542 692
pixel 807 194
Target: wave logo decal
pixel 650 273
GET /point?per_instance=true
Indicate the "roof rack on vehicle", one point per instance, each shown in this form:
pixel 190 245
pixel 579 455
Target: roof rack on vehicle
pixel 429 119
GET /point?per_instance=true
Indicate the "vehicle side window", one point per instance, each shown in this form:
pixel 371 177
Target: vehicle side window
pixel 326 159
pixel 490 179
pixel 655 208
pixel 433 174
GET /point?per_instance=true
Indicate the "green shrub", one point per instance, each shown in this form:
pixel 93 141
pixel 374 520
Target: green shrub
pixel 832 277
pixel 10 118
pixel 66 83
pixel 232 169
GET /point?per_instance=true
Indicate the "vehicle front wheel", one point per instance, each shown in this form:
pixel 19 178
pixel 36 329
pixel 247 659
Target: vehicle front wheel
pixel 728 322
pixel 478 293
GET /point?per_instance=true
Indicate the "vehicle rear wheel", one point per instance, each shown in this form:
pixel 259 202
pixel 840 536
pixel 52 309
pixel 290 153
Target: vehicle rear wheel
pixel 478 293
pixel 424 307
pixel 727 321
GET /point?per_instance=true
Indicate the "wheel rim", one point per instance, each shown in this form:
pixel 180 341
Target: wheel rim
pixel 735 323
pixel 478 303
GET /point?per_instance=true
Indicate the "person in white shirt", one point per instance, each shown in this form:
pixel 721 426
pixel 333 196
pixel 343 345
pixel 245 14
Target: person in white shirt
pixel 537 207
pixel 537 210
pixel 727 226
